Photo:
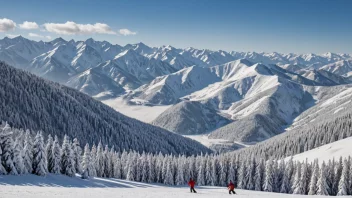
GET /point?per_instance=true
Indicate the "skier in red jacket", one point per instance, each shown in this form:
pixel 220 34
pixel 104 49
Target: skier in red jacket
pixel 231 187
pixel 191 184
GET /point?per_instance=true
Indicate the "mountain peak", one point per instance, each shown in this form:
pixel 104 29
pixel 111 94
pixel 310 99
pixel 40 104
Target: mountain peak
pixel 130 53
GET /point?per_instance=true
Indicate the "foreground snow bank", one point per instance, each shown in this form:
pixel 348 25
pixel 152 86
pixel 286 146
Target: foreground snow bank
pixel 31 186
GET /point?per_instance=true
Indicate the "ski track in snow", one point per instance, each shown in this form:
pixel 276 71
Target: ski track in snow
pixel 59 186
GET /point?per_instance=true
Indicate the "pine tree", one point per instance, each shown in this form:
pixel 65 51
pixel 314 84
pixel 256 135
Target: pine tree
pixel 67 158
pixel 330 176
pixel 152 174
pixel 55 161
pixel 322 185
pixel 297 179
pixel 169 177
pixel 344 180
pixel 338 171
pixel 241 181
pixel 145 168
pixel 180 172
pixel 86 162
pixel 232 169
pixel 93 162
pixel 223 172
pixel 28 153
pixel 251 164
pixel 259 173
pixel 287 177
pixel 49 153
pixel 7 147
pixel 18 155
pixel 99 166
pixel 118 168
pixel 215 172
pixel 77 155
pixel 269 177
pixel 39 156
pixel 201 173
pixel 131 167
pixel 300 187
pixel 314 179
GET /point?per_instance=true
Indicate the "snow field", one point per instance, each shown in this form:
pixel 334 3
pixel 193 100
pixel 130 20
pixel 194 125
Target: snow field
pixel 59 186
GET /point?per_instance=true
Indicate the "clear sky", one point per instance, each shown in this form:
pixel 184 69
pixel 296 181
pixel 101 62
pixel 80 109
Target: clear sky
pixel 299 26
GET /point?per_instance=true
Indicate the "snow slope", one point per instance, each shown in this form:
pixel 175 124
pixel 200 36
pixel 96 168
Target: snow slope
pixel 145 113
pixel 190 117
pixel 335 150
pixel 58 186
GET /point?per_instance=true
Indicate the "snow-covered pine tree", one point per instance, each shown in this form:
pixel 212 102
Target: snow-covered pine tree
pixel 287 177
pixel 131 167
pixel 49 153
pixel 297 179
pixel 215 171
pixel 232 169
pixel 112 161
pixel 344 179
pixel 269 177
pixel 314 179
pixel 241 181
pixel 251 164
pixel 151 164
pixel 118 168
pixel 145 168
pixel 169 177
pixel 106 159
pixel 67 158
pixel 280 175
pixel 322 185
pixel 275 170
pixel 338 171
pixel 201 172
pixel 28 153
pixel 77 155
pixel 330 175
pixel 99 166
pixel 39 156
pixel 159 168
pixel 259 174
pixel 301 184
pixel 55 161
pixel 224 164
pixel 86 162
pixel 18 154
pixel 180 178
pixel 7 147
pixel 93 157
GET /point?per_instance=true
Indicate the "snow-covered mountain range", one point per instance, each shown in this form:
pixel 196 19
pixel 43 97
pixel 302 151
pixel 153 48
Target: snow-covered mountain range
pixel 238 96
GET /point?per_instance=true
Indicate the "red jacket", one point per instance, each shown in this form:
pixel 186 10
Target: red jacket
pixel 191 183
pixel 231 186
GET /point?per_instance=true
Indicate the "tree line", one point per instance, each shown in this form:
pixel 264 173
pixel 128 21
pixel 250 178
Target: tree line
pixel 24 153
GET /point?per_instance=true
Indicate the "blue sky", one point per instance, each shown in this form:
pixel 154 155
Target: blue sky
pixel 299 26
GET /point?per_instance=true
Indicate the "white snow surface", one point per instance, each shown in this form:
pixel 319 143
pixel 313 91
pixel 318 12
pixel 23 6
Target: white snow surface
pixel 140 112
pixel 31 186
pixel 335 150
pixel 204 139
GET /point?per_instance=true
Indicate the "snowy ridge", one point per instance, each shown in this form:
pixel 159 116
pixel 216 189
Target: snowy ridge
pixel 262 93
pixel 58 110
